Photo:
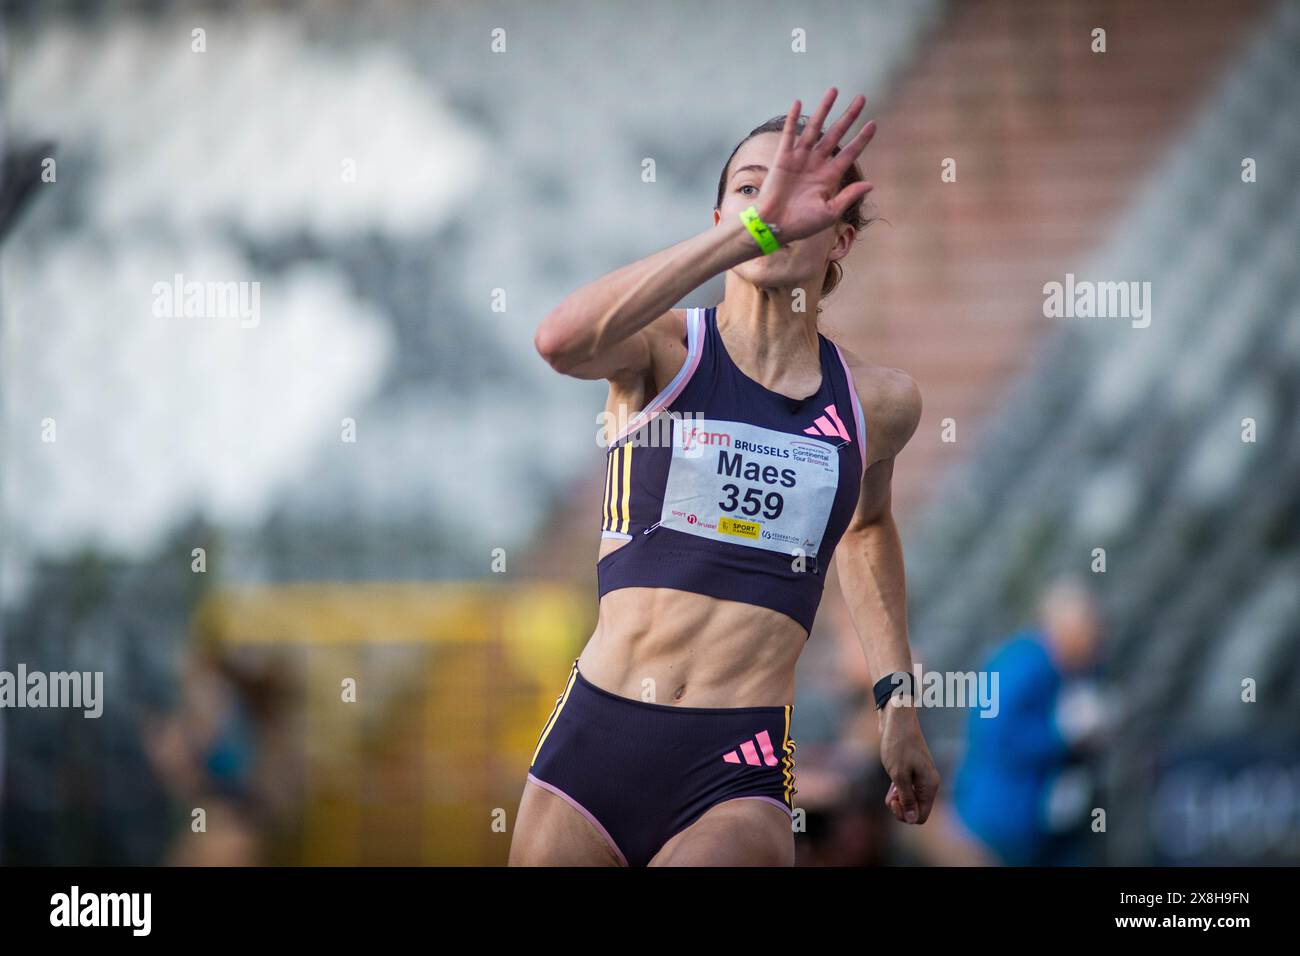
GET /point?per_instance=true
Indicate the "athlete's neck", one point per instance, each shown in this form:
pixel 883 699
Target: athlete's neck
pixel 771 342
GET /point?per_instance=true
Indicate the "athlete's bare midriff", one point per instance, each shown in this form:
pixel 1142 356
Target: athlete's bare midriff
pixel 678 647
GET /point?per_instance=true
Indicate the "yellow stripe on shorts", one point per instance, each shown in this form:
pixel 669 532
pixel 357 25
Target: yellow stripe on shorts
pixel 555 712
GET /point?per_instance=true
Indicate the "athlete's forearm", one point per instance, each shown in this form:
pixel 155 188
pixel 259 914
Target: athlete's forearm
pixel 870 563
pixel 610 309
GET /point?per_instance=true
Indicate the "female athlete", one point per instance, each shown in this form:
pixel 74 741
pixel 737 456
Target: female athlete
pixel 758 446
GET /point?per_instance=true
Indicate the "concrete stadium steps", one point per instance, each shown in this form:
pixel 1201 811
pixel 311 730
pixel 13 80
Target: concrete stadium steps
pixel 1050 140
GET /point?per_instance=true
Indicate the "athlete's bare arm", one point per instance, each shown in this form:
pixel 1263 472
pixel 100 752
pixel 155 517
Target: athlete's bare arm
pixel 869 560
pixel 600 331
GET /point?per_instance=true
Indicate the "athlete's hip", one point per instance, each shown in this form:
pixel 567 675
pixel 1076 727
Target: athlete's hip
pixel 642 772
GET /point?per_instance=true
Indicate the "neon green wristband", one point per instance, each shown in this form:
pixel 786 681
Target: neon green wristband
pixel 758 229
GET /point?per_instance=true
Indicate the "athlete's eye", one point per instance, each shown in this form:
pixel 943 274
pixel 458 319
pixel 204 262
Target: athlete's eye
pixel 747 186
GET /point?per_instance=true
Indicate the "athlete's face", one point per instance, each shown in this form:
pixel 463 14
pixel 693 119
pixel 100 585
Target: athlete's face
pixel 800 264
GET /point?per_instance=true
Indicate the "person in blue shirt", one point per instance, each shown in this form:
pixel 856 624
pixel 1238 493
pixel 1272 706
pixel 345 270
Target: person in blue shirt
pixel 1021 789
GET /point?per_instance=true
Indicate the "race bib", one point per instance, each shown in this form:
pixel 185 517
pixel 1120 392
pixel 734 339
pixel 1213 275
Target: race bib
pixel 737 482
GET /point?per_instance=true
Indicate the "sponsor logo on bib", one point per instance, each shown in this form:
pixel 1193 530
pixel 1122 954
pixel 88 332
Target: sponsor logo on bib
pixel 741 529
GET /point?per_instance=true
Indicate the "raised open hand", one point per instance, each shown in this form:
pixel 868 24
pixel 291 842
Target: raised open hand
pixel 801 193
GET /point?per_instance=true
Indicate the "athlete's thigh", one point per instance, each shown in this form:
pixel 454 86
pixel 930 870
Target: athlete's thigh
pixel 739 832
pixel 549 832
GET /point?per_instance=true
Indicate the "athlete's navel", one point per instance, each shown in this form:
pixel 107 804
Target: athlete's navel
pixel 680 693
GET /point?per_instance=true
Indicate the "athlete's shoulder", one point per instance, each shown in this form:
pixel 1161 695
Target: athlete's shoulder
pixel 891 404
pixel 664 341
pixel 655 346
pixel 668 343
pixel 670 326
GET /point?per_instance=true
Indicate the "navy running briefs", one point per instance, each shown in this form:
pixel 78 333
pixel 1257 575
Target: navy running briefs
pixel 642 772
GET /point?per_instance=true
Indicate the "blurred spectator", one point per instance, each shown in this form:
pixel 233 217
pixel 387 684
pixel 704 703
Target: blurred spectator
pixel 1021 796
pixel 1023 789
pixel 205 753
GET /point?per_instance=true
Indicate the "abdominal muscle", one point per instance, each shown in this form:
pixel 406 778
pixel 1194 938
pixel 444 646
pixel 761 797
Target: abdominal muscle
pixel 665 646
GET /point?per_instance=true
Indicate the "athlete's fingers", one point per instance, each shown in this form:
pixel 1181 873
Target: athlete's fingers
pixel 895 806
pixel 892 801
pixel 924 805
pixel 831 138
pixel 849 195
pixel 926 791
pixel 907 797
pixel 813 131
pixel 845 157
pixel 787 131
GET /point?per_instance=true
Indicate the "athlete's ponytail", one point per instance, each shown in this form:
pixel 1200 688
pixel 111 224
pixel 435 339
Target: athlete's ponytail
pixel 854 215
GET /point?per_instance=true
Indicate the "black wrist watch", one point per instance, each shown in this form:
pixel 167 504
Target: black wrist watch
pixel 891 685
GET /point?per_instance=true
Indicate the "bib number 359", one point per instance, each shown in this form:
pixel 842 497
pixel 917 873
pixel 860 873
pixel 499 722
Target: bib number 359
pixel 752 502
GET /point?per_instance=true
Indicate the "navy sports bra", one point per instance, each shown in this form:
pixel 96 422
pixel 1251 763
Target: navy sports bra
pixel 726 488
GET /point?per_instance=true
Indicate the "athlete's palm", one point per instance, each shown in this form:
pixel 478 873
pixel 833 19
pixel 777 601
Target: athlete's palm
pixel 801 193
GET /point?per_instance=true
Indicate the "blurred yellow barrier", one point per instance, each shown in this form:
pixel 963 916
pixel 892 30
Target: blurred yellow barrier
pixel 452 683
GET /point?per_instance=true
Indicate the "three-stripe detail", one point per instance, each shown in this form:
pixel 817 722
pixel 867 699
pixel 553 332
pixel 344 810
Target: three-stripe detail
pixel 555 711
pixel 618 489
pixel 787 763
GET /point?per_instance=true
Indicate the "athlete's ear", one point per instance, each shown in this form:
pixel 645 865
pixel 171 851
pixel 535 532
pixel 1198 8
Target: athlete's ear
pixel 843 243
pixel 717 216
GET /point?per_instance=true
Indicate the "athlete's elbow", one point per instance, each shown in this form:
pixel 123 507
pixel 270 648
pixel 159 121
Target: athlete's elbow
pixel 866 526
pixel 554 344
